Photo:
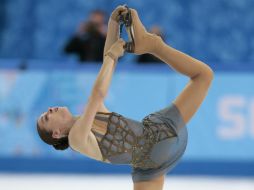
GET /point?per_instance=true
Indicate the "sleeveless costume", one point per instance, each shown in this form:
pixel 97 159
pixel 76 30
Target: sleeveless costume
pixel 153 146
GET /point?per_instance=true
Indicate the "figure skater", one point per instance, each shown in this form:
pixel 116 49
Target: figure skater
pixel 152 147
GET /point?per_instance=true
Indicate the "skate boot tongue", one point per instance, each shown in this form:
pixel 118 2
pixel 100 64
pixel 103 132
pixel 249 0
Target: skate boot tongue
pixel 126 20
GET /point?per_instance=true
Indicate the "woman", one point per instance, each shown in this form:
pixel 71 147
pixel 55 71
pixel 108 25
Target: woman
pixel 153 146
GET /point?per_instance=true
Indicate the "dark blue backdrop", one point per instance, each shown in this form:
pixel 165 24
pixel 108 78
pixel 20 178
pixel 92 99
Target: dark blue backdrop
pixel 218 30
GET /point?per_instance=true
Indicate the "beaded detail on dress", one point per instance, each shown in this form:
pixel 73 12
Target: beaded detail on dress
pixel 120 138
pixel 152 134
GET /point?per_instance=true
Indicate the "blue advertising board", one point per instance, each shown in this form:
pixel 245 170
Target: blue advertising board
pixel 221 131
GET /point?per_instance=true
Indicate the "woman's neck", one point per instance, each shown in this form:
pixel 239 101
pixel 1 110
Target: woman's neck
pixel 71 124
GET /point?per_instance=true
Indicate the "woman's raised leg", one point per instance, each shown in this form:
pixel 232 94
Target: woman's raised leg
pixel 200 74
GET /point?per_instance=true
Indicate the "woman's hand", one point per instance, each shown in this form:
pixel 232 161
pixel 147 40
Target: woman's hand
pixel 117 12
pixel 116 50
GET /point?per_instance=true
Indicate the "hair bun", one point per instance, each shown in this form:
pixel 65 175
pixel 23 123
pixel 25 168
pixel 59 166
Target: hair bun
pixel 62 144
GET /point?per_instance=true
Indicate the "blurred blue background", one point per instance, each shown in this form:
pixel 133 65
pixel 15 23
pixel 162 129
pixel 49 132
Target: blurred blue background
pixel 218 30
pixel 35 74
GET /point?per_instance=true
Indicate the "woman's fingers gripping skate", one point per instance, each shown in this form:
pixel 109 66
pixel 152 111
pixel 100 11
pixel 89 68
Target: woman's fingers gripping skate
pixel 117 12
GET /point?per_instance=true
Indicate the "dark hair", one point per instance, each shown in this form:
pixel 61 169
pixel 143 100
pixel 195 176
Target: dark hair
pixel 46 136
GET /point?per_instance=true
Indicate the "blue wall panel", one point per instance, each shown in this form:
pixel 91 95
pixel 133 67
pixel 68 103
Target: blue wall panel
pixel 221 132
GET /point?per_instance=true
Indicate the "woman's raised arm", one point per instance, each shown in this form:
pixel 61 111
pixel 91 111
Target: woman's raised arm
pixel 81 129
pixel 113 27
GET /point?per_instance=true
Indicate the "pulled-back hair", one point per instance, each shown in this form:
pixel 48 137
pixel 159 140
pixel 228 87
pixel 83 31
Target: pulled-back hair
pixel 46 136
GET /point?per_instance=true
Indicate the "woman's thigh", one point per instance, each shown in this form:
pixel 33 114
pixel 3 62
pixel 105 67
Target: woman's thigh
pixel 154 184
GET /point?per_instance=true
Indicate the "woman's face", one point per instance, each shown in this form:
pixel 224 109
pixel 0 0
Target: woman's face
pixel 56 119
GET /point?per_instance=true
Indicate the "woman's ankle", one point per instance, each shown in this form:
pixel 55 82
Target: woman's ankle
pixel 155 42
